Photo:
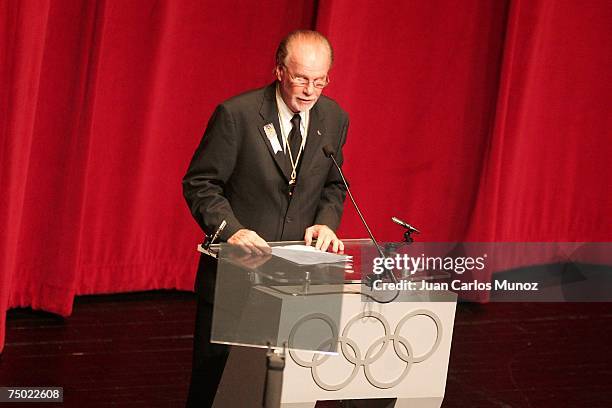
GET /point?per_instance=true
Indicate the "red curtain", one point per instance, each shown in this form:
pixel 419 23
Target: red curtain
pixel 475 120
pixel 547 174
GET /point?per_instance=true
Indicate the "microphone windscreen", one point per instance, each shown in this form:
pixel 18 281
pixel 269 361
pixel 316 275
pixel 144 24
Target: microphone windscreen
pixel 328 150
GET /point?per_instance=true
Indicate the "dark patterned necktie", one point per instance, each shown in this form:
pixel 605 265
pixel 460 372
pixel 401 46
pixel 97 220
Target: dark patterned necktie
pixel 295 138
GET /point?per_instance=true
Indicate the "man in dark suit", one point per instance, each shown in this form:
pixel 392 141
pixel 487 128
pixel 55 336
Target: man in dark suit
pixel 261 168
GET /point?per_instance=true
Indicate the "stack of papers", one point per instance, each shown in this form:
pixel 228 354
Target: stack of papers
pixel 307 255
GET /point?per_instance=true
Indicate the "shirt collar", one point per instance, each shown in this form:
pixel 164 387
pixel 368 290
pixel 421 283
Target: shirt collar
pixel 286 114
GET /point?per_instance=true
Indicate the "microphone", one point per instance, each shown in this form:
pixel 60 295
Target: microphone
pixel 404 224
pixel 328 150
pixel 210 239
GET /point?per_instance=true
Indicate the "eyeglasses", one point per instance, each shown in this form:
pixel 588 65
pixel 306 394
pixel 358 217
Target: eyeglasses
pixel 318 83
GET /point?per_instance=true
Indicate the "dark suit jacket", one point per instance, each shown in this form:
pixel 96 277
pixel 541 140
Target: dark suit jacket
pixel 235 176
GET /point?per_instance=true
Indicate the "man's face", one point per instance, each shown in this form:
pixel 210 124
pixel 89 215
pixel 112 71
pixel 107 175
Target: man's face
pixel 306 61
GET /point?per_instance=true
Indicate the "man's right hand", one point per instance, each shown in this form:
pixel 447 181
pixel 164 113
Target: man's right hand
pixel 250 242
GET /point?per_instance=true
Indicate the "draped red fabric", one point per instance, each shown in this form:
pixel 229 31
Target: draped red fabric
pixel 547 174
pixel 103 104
pixel 420 81
pixel 473 120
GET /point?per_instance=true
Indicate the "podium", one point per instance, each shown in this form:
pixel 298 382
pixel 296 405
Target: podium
pixel 337 338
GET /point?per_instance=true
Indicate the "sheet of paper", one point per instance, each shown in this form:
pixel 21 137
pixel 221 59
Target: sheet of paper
pixel 307 255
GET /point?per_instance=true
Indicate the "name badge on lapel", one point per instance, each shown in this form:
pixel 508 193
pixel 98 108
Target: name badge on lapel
pixel 272 137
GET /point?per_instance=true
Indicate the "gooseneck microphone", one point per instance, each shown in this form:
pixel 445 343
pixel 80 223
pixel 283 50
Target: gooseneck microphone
pixel 328 150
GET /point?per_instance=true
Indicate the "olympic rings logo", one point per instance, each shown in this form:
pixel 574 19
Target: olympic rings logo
pixel 401 346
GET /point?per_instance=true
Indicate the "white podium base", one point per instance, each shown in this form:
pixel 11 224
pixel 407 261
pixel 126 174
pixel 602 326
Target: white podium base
pixel 398 350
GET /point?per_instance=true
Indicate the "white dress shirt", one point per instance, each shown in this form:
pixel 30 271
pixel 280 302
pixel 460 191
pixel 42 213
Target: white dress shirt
pixel 285 115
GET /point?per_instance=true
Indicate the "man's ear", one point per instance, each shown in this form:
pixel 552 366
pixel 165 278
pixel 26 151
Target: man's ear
pixel 277 72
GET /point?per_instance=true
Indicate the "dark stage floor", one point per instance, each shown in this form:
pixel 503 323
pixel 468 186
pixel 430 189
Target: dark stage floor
pixel 134 350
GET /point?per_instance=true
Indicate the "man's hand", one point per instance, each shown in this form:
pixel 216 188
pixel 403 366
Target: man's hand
pixel 325 236
pixel 250 242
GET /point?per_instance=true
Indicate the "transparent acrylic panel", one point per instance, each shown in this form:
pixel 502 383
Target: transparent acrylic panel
pixel 289 298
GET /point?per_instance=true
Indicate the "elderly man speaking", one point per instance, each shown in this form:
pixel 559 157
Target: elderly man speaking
pixel 261 168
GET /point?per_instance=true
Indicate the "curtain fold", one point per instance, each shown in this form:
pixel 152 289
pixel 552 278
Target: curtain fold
pixel 479 120
pixel 546 176
pixel 20 75
pixel 103 104
pixel 420 82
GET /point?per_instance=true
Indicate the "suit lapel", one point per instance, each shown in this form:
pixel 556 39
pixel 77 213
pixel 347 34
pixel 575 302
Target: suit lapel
pixel 314 140
pixel 269 114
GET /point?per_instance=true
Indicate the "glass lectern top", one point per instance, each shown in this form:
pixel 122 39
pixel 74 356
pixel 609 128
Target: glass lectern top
pixel 292 296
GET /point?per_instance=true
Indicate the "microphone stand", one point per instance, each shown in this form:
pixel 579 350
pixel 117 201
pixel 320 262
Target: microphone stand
pixel 409 229
pixel 348 190
pixel 329 152
pixel 275 365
